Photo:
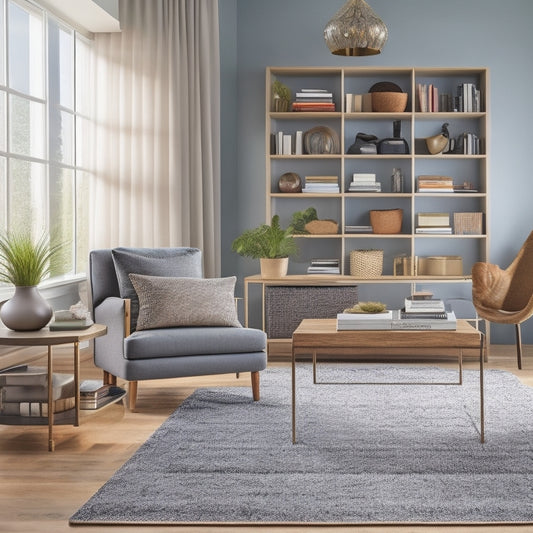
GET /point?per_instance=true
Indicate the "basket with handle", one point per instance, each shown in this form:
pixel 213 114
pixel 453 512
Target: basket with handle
pixel 366 263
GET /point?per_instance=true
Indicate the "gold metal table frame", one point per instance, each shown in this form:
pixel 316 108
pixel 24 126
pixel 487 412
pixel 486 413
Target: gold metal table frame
pixel 45 337
pixel 316 336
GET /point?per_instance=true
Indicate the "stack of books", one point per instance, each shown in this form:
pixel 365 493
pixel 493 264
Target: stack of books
pixel 24 392
pixel 435 184
pixel 313 100
pixel 393 320
pixel 94 394
pixel 321 184
pixel 427 308
pixel 364 182
pixel 434 224
pixel 324 266
pixel 431 100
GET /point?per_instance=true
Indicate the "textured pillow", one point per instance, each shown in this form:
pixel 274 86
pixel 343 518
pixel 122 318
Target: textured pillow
pixel 183 262
pixel 169 302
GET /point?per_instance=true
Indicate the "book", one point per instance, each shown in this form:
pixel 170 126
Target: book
pixel 428 305
pixel 67 325
pixel 63 387
pixel 24 375
pixel 434 230
pixel 433 219
pixel 36 408
pixel 96 403
pixel 93 389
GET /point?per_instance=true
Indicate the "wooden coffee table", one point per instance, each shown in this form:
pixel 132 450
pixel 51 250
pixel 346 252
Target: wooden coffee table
pixel 320 336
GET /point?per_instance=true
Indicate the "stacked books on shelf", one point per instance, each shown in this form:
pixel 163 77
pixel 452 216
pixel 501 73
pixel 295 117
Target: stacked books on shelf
pixel 364 182
pixel 313 100
pixel 321 184
pixel 66 320
pixel 433 224
pixel 431 100
pixel 24 393
pixel 94 394
pixel 358 229
pixel 467 144
pixel 324 266
pixel 393 320
pixel 435 184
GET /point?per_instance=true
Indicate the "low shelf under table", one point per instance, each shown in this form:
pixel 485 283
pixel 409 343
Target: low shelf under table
pixel 45 337
pixel 320 336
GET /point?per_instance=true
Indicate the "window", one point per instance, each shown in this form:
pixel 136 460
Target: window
pixel 45 109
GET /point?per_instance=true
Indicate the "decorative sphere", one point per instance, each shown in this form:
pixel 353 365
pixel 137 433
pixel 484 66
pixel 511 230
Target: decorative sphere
pixel 290 182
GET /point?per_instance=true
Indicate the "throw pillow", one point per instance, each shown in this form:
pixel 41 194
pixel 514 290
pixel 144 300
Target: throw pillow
pixel 183 262
pixel 170 302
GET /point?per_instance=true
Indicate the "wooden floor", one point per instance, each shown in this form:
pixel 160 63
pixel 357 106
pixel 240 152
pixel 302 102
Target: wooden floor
pixel 39 490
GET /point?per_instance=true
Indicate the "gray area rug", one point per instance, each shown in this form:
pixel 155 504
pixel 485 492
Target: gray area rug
pixel 365 453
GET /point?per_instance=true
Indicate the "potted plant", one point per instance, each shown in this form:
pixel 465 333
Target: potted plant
pixel 281 96
pixel 271 244
pixel 25 263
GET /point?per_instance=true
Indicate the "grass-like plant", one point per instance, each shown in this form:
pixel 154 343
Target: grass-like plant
pixel 25 262
pixel 266 241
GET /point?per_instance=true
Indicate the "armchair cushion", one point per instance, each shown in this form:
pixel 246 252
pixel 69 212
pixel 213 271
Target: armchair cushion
pixel 185 342
pixel 182 262
pixel 172 302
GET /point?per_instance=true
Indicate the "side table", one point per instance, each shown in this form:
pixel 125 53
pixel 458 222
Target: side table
pixel 45 337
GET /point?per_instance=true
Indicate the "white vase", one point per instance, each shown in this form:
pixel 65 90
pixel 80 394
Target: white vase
pixel 27 310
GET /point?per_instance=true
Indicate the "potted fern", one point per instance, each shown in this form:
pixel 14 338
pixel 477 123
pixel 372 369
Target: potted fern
pixel 24 263
pixel 271 244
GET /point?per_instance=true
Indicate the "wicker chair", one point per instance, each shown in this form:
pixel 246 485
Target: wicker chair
pixel 506 296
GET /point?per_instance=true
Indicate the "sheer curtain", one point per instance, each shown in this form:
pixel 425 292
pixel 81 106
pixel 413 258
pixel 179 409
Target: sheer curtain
pixel 157 129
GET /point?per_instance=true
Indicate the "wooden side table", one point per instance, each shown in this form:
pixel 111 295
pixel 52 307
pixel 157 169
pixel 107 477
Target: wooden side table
pixel 45 337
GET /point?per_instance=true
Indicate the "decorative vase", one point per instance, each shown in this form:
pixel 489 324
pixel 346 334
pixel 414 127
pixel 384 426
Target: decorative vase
pixel 274 268
pixel 27 310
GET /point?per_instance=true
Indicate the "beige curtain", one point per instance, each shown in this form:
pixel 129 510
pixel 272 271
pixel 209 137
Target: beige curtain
pixel 157 134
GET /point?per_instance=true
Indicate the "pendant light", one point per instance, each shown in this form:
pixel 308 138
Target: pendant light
pixel 355 30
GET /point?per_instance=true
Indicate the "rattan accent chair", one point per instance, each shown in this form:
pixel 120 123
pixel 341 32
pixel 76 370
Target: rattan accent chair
pixel 506 296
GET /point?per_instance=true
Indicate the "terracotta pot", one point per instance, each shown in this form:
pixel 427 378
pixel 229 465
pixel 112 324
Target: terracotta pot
pixel 274 268
pixel 27 310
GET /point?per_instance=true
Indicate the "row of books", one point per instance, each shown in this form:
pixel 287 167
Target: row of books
pixel 321 184
pixel 324 266
pixel 357 103
pixel 431 100
pixel 313 100
pixel 286 143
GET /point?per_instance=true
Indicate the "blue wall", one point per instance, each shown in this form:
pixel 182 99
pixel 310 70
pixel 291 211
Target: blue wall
pixel 485 33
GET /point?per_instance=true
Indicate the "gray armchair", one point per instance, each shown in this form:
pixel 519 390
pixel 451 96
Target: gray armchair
pixel 137 351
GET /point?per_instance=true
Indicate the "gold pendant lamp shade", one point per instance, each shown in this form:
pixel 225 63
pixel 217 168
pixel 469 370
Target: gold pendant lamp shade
pixel 355 30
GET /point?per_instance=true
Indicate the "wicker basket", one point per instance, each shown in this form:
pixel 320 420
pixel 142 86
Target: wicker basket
pixel 389 102
pixel 386 221
pixel 322 227
pixel 366 263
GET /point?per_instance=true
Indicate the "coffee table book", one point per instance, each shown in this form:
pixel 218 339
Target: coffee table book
pixel 392 320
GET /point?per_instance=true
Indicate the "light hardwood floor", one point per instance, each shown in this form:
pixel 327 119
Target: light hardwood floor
pixel 39 490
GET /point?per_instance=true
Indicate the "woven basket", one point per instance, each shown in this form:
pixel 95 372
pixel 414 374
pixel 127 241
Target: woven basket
pixel 389 102
pixel 386 220
pixel 322 227
pixel 366 263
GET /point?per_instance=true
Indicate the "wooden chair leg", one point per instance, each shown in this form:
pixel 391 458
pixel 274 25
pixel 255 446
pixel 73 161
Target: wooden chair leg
pixel 132 395
pixel 109 379
pixel 255 386
pixel 518 346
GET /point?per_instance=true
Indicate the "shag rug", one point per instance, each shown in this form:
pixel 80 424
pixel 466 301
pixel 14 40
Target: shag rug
pixel 365 453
